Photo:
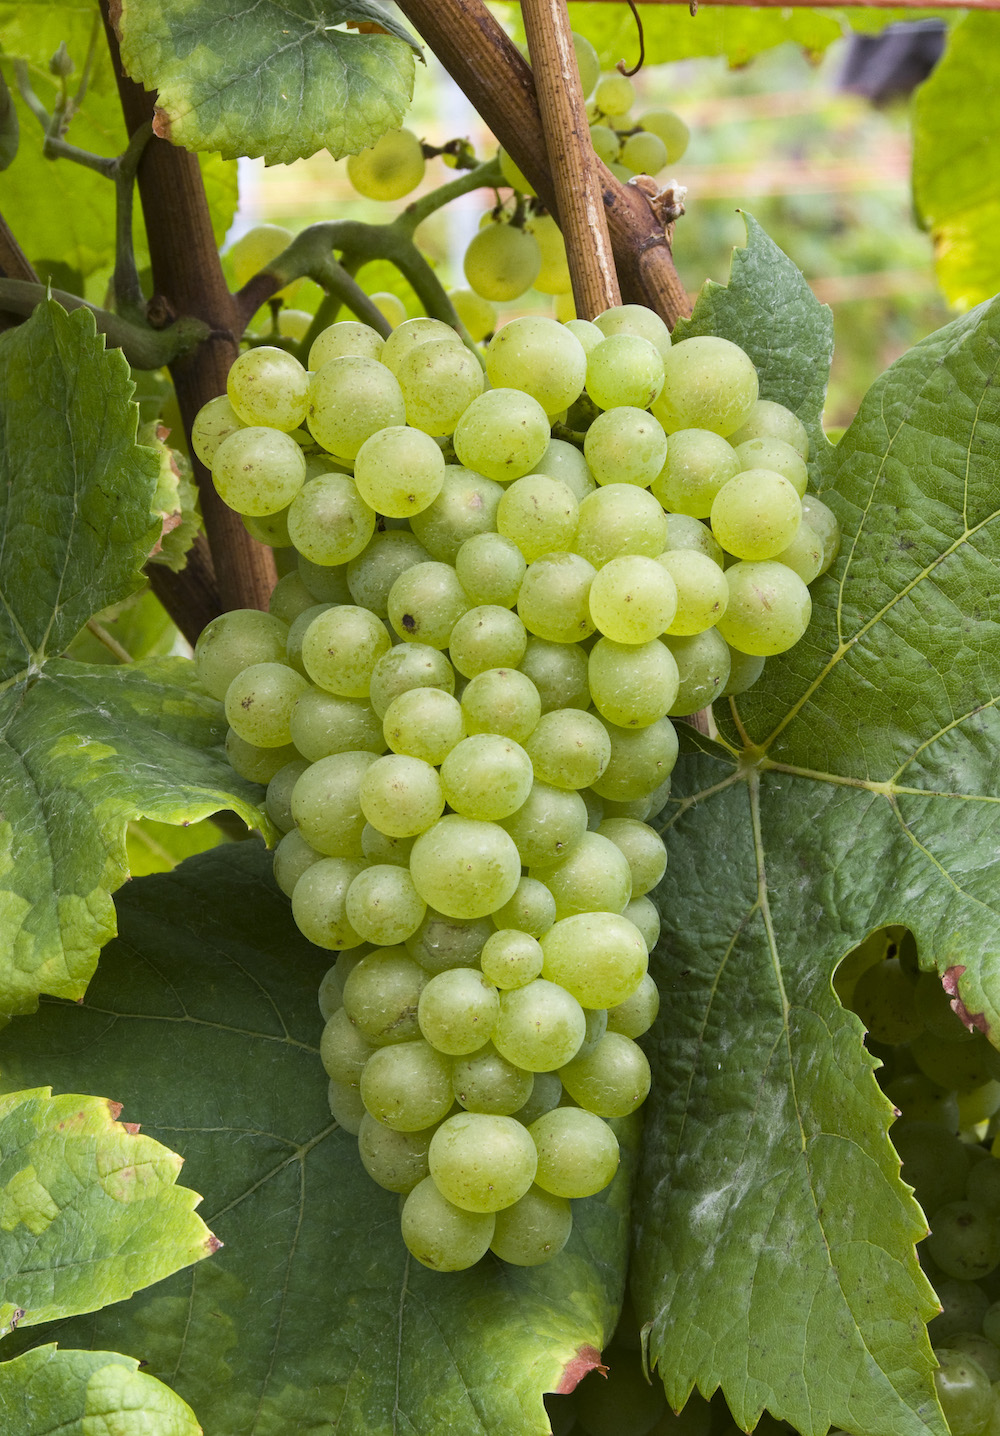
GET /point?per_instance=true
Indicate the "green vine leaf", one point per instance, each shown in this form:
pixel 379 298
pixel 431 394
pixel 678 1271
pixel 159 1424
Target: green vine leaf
pixel 203 1016
pixel 855 787
pixel 89 1209
pixel 88 1393
pixel 270 80
pixel 956 171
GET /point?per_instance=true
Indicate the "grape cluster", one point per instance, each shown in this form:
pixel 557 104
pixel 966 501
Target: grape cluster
pixel 943 1077
pixel 461 701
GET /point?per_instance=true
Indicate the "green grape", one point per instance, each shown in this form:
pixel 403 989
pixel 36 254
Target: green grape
pixel 341 647
pixel 407 666
pixel 959 1066
pixel 458 1011
pixel 625 446
pixel 768 420
pixel 486 776
pixel 533 1230
pixel 380 995
pixel 234 641
pixel 594 876
pixel 776 455
pixel 965 1307
pixel 502 262
pixel 641 759
pixel 351 398
pixel 396 1160
pixel 390 169
pixel 620 519
pixel 644 153
pixel 318 906
pixel 668 127
pixel 424 723
pixel 804 555
pixel 606 142
pixel 490 568
pixel 709 383
pixel 279 794
pixel 644 914
pixel 270 529
pixel 884 999
pixel 553 276
pixel 268 386
pixel 487 637
pixel 344 1049
pixel 553 598
pixel 624 369
pixel 983 1185
pixel 921 1100
pixel 407 1085
pixel 259 703
pixel 502 434
pixel 633 599
pixel 329 521
pixel 614 94
pixel 539 357
pixel 476 313
pixel 371 573
pixel 411 334
pixel 439 1234
pixel 540 1026
pixel 634 319
pixel 769 608
pixel 399 471
pixel 255 249
pixel 257 765
pixel 587 62
pixel 482 1162
pixel 642 848
pixel 756 514
pixel 213 422
pixel 346 1106
pixel 348 338
pixel 501 701
pixel 981 1349
pixel 684 532
pixel 291 858
pixel 697 465
pixel 381 848
pixel 935 1164
pixel 327 583
pixel 529 913
pixel 569 748
pixel 824 524
pixel 577 1152
pixel 258 471
pixel 464 867
pixel 538 514
pixel 588 334
pixel 465 508
pixel 744 670
pixel 439 380
pixel 611 1080
pixel 549 823
pixel 546 1094
pixel 598 957
pixel 964 1391
pixel 512 174
pixel 402 797
pixel 702 670
pixel 326 804
pixel 425 603
pixel 701 588
pixel 511 958
pixel 562 460
pixel 633 684
pixel 486 1082
pixel 558 673
pixel 637 1013
pixel 443 942
pixel 383 906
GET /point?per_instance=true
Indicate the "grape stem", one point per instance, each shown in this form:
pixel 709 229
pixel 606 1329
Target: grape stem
pixel 143 346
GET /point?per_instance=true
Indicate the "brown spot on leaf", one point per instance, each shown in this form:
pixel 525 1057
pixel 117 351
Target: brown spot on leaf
pixel 972 1020
pixel 161 123
pixel 115 1108
pixel 213 1244
pixel 587 1358
pixel 132 1128
pixel 115 16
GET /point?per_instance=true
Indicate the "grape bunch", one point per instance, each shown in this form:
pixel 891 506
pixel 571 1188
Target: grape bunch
pixel 461 703
pixel 943 1078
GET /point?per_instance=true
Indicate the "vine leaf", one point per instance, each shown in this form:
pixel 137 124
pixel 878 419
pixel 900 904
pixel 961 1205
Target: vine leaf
pixel 89 1209
pixel 853 788
pixel 203 1016
pixel 273 80
pixel 956 171
pixel 83 748
pixel 81 1392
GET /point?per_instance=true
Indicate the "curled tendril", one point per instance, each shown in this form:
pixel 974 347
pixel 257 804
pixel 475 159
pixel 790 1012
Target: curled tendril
pixel 621 66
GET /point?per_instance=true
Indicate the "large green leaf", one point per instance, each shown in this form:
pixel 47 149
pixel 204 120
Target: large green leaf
pixel 61 211
pixel 956 169
pixel 89 1209
pixel 278 80
pixel 203 1017
pixel 855 786
pixel 88 1393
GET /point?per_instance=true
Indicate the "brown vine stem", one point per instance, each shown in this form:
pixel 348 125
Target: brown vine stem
pixel 491 71
pixel 189 280
pixel 572 162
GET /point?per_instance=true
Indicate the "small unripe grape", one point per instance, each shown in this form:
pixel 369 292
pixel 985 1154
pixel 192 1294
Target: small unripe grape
pixel 390 169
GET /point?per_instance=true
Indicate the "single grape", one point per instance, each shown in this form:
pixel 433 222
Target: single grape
pixel 553 276
pixel 540 1027
pixel 599 957
pixel 326 804
pixel 425 603
pixel 624 369
pixel 402 797
pixel 769 608
pixel 381 993
pixel 348 337
pixel 502 262
pixel 291 858
pixel 511 958
pixel 318 906
pixel 351 398
pixel 633 599
pixel 476 313
pixel 577 1152
pixel 709 383
pixel 259 703
pixel 424 723
pixel 538 514
pixel 533 1230
pixel 768 420
pixel 371 573
pixel 539 357
pixel 439 380
pixel 614 94
pixel 439 1234
pixel 486 1082
pixel 756 514
pixel 390 169
pixel 329 521
pixel 234 641
pixel 464 867
pixel 458 1011
pixel 383 906
pixel 396 1160
pixel 465 507
pixel 258 471
pixel 502 434
pixel 486 776
pixel 407 1085
pixel 620 519
pixel 625 446
pixel 268 386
